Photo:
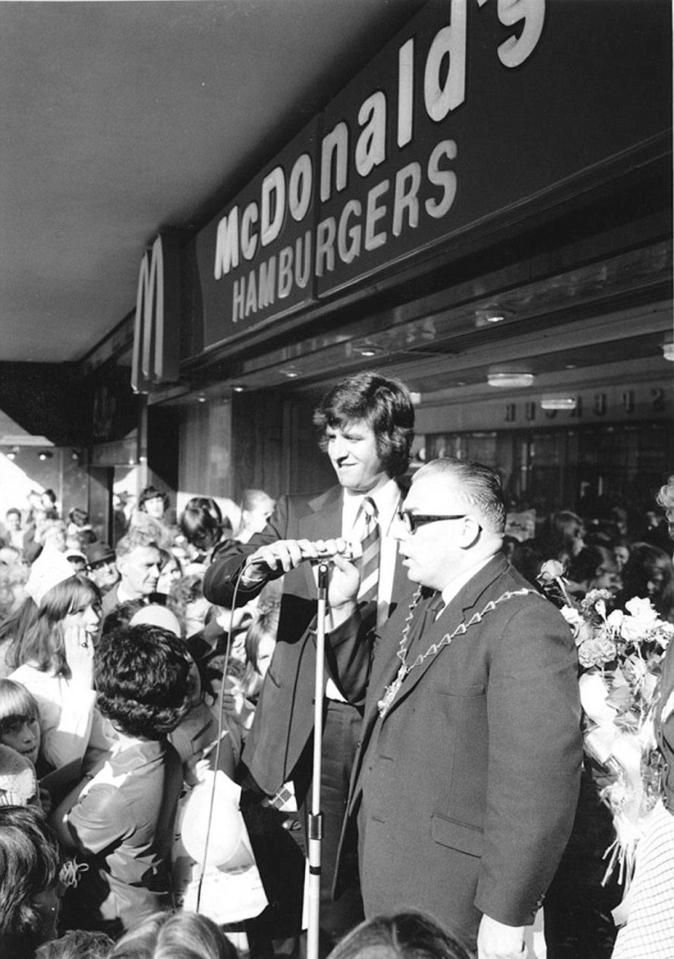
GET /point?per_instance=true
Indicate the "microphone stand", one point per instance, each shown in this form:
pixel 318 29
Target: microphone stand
pixel 315 824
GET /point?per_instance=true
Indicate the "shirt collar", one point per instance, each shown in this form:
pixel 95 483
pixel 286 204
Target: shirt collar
pixel 386 496
pixel 453 588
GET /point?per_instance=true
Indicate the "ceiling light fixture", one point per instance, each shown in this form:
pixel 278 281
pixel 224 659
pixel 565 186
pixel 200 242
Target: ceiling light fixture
pixel 238 388
pixel 490 315
pixel 558 403
pixel 668 351
pixel 290 372
pixel 368 349
pixel 510 379
pixel 45 455
pixel 201 398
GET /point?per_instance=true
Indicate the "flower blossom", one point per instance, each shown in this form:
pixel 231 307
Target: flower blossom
pixel 551 570
pixel 641 620
pixel 596 651
pixel 572 616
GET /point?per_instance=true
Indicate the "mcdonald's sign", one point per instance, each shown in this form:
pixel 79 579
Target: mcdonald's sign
pixel 156 341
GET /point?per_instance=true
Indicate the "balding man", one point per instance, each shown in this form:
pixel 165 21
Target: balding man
pixel 466 779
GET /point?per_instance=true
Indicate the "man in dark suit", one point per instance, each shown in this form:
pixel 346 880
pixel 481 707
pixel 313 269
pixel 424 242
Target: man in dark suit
pixel 466 780
pixel 366 426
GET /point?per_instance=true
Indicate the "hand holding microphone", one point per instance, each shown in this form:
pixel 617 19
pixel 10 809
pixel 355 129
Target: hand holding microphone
pixel 286 554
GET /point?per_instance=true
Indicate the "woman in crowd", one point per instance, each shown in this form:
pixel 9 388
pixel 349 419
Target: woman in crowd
pixel 649 574
pixel 202 525
pixel 185 935
pixel 563 538
pixel 29 869
pixel 54 659
pixel 121 817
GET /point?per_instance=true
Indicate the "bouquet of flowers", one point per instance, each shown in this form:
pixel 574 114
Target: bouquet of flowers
pixel 620 655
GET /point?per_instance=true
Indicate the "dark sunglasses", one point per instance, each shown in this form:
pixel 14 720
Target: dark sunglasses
pixel 413 520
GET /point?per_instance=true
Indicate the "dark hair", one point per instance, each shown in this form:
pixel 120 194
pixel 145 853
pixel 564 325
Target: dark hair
pixel 13 509
pixel 404 935
pixel 150 492
pixel 589 560
pixel 17 706
pixel 645 559
pixel 121 615
pixel 77 944
pixel 385 404
pixel 78 516
pixel 560 530
pixel 201 522
pixel 41 642
pixel 17 623
pixel 29 864
pixel 141 678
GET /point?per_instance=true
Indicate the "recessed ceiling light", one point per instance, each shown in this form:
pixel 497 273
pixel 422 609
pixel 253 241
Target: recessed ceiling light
pixel 490 315
pixel 514 378
pixel 238 388
pixel 558 403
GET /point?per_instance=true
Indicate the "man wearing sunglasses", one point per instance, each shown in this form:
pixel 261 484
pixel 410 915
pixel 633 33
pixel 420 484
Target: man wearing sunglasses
pixel 365 425
pixel 466 780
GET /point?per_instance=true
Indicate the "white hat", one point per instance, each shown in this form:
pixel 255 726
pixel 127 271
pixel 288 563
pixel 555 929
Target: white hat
pixel 50 568
pixel 156 615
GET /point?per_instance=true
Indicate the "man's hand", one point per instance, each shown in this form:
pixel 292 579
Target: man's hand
pixel 343 584
pixel 495 940
pixel 284 555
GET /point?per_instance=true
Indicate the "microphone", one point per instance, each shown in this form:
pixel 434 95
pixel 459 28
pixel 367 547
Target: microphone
pixel 351 551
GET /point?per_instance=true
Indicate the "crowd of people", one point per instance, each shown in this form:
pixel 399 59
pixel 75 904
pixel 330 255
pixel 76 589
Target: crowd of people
pixel 157 707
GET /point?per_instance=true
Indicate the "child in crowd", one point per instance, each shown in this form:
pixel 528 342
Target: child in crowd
pixel 121 817
pixel 20 722
pixel 20 730
pixel 18 782
pixel 182 934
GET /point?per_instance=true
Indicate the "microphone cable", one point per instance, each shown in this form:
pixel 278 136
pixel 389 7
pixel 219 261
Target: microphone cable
pixel 220 734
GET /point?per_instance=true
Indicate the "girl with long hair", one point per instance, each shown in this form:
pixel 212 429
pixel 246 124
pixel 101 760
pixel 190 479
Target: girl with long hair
pixel 54 656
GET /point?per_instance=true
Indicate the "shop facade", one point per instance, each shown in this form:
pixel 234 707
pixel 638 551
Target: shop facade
pixel 485 212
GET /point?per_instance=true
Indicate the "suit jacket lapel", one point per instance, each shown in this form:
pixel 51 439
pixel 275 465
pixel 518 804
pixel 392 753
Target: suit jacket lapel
pixel 323 522
pixel 459 610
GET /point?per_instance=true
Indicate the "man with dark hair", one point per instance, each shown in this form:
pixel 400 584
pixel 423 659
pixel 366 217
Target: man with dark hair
pixel 121 817
pixel 366 425
pixel 466 779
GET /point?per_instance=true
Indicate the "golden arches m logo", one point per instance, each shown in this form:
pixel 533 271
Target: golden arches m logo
pixel 156 357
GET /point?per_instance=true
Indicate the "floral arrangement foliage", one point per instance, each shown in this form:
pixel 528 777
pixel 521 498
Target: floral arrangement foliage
pixel 619 655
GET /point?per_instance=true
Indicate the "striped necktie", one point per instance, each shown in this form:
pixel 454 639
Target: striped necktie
pixel 370 543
